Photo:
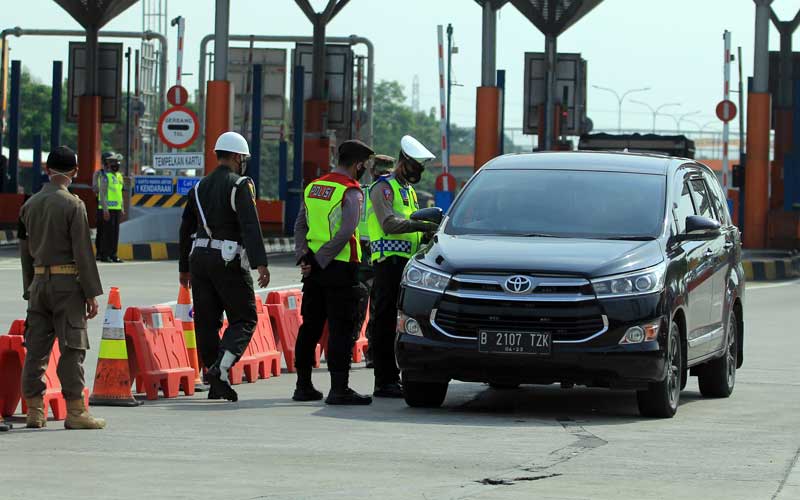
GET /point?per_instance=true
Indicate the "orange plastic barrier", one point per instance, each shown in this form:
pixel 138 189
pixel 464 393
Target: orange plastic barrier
pixel 185 315
pixel 284 312
pixel 261 358
pixel 12 357
pixel 160 352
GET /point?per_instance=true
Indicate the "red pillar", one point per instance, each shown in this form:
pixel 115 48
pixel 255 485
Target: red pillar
pixel 218 118
pixel 89 139
pixel 316 146
pixel 487 125
pixel 757 171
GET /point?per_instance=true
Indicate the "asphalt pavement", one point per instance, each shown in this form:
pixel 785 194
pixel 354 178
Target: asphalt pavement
pixel 534 442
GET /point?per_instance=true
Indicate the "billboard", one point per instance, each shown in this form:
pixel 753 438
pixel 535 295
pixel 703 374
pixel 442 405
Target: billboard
pixel 109 80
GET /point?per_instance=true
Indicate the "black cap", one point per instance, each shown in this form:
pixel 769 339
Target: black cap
pixel 62 159
pixel 354 151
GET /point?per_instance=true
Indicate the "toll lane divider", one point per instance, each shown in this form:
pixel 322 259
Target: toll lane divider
pixel 12 357
pixel 772 269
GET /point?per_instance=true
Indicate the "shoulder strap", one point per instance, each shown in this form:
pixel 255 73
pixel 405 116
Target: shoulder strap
pixel 200 210
pixel 235 188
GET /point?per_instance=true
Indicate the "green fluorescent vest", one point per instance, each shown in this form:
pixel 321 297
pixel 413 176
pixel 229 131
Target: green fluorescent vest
pixel 384 245
pixel 114 192
pixel 366 210
pixel 323 199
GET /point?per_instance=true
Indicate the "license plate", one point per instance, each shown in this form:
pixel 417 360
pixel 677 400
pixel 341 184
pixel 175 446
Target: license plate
pixel 515 342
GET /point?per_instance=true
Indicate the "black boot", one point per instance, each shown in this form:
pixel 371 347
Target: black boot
pixel 304 390
pixel 394 390
pixel 5 426
pixel 219 388
pixel 341 394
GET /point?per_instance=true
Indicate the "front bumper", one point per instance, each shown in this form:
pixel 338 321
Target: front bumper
pixel 600 361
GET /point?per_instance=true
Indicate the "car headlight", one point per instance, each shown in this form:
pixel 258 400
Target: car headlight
pixel 416 275
pixel 650 280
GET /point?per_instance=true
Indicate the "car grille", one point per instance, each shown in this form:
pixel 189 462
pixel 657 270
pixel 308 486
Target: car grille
pixel 564 307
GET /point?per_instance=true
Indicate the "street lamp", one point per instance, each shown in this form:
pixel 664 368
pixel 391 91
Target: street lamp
pixel 680 118
pixel 655 110
pixel 619 101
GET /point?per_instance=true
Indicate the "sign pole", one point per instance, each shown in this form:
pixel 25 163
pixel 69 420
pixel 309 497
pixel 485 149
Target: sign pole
pixel 443 104
pixel 726 92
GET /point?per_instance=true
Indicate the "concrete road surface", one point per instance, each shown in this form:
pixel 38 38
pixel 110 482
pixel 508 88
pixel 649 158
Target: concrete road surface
pixel 534 442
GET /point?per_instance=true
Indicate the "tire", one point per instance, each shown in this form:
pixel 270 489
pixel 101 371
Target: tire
pixel 717 377
pixel 424 394
pixel 661 399
pixel 503 387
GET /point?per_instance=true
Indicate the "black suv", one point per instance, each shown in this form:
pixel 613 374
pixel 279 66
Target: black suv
pixel 610 270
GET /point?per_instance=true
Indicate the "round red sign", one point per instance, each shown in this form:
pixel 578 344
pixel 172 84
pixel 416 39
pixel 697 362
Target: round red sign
pixel 726 110
pixel 178 127
pixel 446 182
pixel 177 95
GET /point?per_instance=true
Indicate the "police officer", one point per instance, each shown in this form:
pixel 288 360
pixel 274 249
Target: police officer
pixel 221 210
pixel 379 166
pixel 108 183
pixel 328 249
pixel 60 283
pixel 393 240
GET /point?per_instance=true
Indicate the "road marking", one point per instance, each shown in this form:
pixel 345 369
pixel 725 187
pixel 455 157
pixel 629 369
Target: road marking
pixel 259 290
pixel 773 285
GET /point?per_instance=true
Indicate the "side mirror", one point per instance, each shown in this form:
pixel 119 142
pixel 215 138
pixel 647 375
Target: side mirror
pixel 700 228
pixel 432 214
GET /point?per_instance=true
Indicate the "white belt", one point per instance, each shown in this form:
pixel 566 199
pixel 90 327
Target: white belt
pixel 215 244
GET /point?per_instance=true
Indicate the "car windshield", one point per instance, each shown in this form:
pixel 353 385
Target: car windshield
pixel 561 203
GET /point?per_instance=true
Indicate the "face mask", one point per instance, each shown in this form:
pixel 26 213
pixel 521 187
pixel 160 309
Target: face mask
pixel 360 171
pixel 115 168
pixel 413 175
pixel 242 165
pixel 70 178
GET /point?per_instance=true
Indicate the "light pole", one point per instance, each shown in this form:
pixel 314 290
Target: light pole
pixel 619 101
pixel 655 110
pixel 680 118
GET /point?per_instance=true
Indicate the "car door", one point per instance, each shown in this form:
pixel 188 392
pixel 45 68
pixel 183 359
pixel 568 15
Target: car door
pixel 706 339
pixel 698 285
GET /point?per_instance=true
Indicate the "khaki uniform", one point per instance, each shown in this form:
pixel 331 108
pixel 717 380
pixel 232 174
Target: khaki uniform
pixel 59 274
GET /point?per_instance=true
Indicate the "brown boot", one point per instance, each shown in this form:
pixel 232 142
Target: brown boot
pixel 79 418
pixel 36 419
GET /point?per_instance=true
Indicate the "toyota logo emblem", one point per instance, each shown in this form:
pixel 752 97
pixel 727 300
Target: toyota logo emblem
pixel 518 284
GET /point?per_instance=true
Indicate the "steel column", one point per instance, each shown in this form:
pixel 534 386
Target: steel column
pixel 489 45
pixel 255 133
pixel 13 129
pixel 55 105
pixel 221 38
pixel 550 55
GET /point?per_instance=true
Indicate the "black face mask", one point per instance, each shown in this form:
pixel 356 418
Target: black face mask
pixel 413 174
pixel 115 168
pixel 360 171
pixel 242 166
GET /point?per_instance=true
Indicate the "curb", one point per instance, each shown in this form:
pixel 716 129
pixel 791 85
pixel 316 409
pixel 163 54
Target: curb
pixel 772 269
pixel 169 250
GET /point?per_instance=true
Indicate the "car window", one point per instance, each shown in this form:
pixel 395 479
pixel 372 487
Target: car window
pixel 720 201
pixel 683 207
pixel 702 199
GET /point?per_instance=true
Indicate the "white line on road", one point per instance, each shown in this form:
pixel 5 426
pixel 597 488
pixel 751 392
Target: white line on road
pixel 773 285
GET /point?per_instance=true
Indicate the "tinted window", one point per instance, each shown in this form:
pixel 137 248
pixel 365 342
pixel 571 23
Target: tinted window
pixel 684 207
pixel 720 201
pixel 565 203
pixel 702 199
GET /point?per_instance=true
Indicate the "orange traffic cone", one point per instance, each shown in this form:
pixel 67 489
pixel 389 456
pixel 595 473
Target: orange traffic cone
pixel 112 379
pixel 185 314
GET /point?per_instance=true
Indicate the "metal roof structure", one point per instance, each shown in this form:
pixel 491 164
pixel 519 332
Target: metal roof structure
pixel 95 13
pixel 553 17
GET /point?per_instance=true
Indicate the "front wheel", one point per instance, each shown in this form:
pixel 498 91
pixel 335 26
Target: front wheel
pixel 424 394
pixel 660 400
pixel 717 377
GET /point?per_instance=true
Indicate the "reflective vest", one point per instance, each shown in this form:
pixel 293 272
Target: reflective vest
pixel 323 199
pixel 363 226
pixel 405 203
pixel 114 183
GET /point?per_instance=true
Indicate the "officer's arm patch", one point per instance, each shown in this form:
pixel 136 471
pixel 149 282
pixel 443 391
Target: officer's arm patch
pixel 320 192
pixel 387 193
pixel 252 190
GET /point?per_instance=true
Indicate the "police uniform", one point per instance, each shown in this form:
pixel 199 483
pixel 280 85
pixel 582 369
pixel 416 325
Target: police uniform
pixel 109 184
pixel 394 239
pixel 59 275
pixel 221 214
pixel 327 239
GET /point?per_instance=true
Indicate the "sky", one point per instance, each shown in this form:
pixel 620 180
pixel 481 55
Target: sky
pixel 672 46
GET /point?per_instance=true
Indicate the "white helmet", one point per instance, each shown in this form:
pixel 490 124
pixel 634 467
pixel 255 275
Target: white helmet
pixel 414 149
pixel 232 143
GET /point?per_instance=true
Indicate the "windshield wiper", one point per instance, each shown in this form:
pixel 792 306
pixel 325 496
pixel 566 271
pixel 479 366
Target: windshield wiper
pixel 539 235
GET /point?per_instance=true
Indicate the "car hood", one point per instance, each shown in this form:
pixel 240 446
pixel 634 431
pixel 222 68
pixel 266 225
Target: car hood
pixel 555 256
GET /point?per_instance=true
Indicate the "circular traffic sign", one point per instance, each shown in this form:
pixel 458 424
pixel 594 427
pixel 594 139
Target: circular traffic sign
pixel 177 95
pixel 726 110
pixel 178 127
pixel 446 182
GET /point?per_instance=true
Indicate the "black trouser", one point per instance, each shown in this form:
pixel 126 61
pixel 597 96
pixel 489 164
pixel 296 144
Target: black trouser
pixel 98 239
pixel 111 233
pixel 330 295
pixel 385 291
pixel 217 287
